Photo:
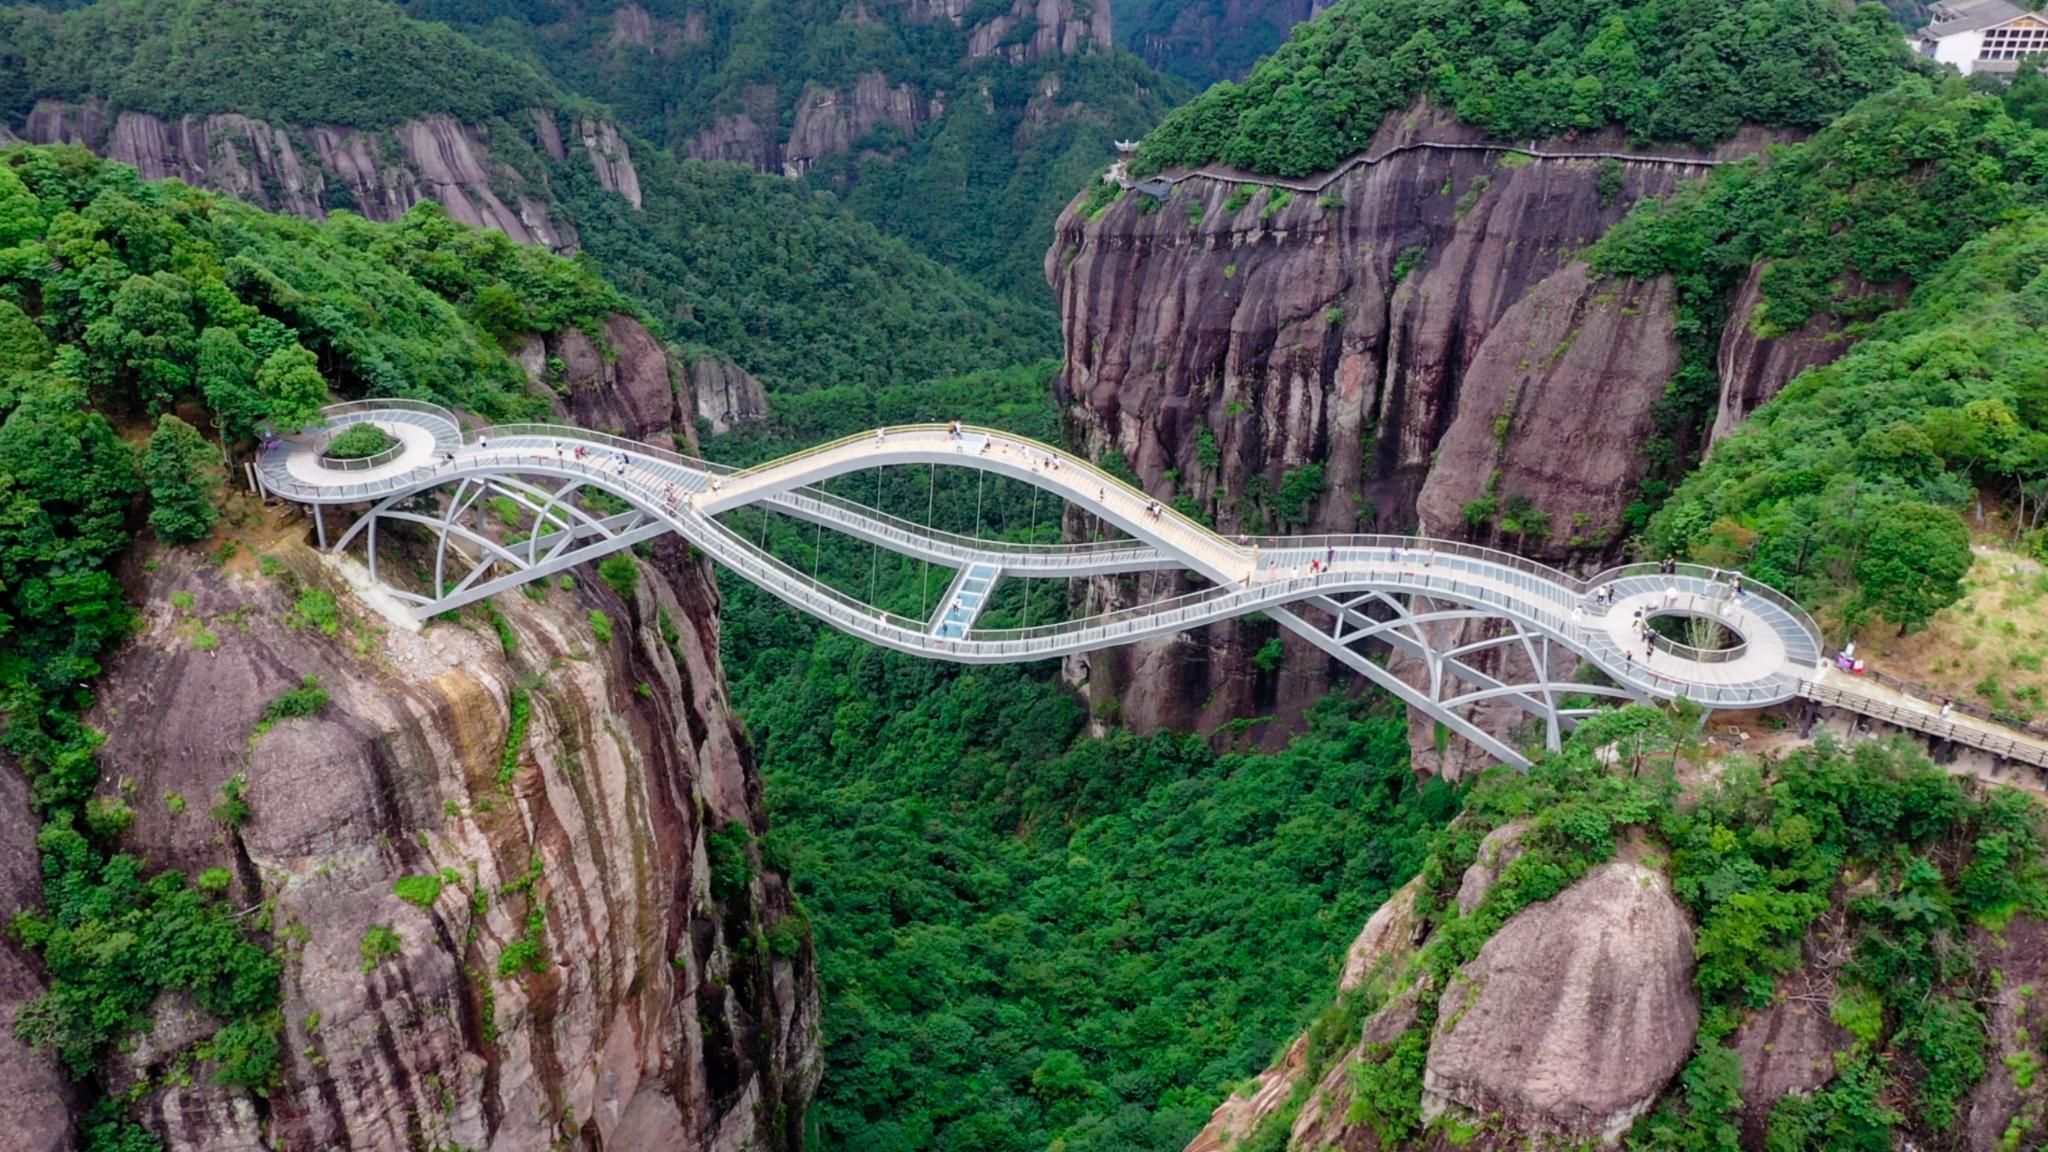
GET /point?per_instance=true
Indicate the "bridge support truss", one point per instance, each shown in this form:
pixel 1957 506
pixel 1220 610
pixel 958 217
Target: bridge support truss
pixel 469 565
pixel 1430 638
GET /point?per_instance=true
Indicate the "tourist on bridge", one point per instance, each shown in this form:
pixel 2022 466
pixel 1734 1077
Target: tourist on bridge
pixel 954 430
pixel 557 446
pixel 483 442
pixel 881 435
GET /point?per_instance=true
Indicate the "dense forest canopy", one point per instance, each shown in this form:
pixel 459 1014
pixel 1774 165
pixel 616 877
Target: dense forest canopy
pixel 298 61
pixel 1677 71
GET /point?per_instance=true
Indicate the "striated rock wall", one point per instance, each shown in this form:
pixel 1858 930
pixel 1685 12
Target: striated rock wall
pixel 828 121
pixel 625 379
pixel 656 1018
pixel 311 170
pixel 565 787
pixel 1419 328
pixel 1057 28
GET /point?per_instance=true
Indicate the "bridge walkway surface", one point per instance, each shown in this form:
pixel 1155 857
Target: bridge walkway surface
pixel 1350 579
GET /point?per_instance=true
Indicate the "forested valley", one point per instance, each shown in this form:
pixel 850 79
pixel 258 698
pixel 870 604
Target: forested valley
pixel 1033 927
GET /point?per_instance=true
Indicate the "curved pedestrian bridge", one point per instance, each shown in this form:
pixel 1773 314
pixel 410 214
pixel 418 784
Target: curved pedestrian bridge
pixel 1478 625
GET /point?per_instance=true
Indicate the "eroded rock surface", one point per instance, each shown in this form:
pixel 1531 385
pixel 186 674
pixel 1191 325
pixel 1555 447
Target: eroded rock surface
pixel 1576 1014
pixel 376 174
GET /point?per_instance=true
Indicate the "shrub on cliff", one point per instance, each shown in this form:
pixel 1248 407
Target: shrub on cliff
pixel 1684 71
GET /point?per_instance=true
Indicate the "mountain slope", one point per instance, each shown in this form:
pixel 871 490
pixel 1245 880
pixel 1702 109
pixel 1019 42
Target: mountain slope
pixel 291 104
pixel 959 127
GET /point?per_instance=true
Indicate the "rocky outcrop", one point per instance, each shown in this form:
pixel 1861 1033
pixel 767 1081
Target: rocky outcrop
pixel 1577 1012
pixel 35 1097
pixel 651 1008
pixel 310 170
pixel 1753 368
pixel 580 980
pixel 2009 1107
pixel 610 157
pixel 830 121
pixel 1379 327
pixel 1500 848
pixel 634 27
pixel 1055 28
pixel 1551 419
pixel 626 379
pixel 725 395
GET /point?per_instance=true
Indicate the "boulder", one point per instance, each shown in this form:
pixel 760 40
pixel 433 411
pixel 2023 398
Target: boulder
pixel 1575 1015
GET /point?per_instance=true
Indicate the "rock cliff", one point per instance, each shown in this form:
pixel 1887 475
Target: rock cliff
pixel 1569 1022
pixel 1383 350
pixel 829 119
pixel 309 170
pixel 601 959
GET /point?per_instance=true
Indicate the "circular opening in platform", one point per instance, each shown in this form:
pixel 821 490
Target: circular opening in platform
pixel 1693 635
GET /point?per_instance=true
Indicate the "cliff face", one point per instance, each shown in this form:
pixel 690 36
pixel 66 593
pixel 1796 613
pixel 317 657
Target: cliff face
pixel 309 170
pixel 607 963
pixel 1418 329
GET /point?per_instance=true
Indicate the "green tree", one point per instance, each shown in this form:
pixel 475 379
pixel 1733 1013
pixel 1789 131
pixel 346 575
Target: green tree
pixel 499 311
pixel 227 380
pixel 292 388
pixel 182 474
pixel 149 335
pixel 1913 562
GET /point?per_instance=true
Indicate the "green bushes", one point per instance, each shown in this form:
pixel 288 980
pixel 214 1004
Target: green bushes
pixel 520 706
pixel 305 700
pixel 358 441
pixel 380 943
pixel 621 574
pixel 601 626
pixel 418 891
pixel 114 937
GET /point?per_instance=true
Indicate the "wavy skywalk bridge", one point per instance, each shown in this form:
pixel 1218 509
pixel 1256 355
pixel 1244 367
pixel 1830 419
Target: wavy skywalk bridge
pixel 1475 624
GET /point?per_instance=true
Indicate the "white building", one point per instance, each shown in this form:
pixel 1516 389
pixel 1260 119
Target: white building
pixel 1982 35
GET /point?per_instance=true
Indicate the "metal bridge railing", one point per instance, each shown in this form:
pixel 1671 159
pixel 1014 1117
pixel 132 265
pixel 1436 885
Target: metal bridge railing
pixel 1996 743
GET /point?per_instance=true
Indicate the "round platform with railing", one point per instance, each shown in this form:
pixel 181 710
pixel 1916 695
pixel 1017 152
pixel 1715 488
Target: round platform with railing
pixel 375 460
